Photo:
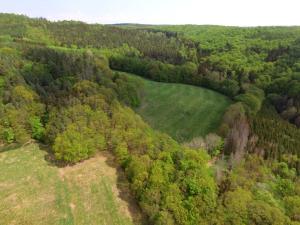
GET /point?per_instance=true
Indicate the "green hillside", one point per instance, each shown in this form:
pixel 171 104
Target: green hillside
pixel 182 111
pixel 33 191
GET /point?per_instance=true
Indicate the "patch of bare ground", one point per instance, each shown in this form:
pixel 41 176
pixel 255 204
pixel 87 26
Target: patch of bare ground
pixel 103 166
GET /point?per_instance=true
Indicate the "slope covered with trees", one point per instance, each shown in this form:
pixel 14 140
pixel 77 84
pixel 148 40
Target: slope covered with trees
pixel 57 88
pixel 69 100
pixel 254 66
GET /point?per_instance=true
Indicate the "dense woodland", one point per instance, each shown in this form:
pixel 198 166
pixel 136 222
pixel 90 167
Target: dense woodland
pixel 58 87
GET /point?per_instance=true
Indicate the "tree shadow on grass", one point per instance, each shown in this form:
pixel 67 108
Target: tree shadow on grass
pixel 50 157
pixel 122 183
pixel 9 147
pixel 124 191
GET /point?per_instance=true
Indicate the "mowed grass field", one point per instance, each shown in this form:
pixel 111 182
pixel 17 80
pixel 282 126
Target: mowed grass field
pixel 33 191
pixel 182 111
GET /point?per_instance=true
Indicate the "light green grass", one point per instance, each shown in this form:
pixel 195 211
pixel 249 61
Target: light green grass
pixel 182 111
pixel 32 191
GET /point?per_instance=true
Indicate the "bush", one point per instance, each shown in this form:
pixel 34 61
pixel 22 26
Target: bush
pixel 261 213
pixel 292 205
pixel 251 102
pixel 37 128
pixel 77 143
pixel 9 135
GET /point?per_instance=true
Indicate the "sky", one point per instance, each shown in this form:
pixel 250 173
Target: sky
pixel 216 12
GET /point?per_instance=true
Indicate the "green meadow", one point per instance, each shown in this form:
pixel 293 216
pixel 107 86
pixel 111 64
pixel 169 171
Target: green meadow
pixel 34 191
pixel 182 111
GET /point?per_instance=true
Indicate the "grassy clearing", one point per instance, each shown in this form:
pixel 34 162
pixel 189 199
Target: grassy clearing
pixel 182 111
pixel 32 191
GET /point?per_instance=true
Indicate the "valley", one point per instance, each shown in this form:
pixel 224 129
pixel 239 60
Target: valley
pixel 182 111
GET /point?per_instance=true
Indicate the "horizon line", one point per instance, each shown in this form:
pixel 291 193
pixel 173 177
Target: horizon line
pixel 140 24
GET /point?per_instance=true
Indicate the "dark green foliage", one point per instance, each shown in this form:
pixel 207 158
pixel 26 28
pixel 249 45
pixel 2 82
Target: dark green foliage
pixel 279 139
pixel 128 90
pixel 162 72
pixel 230 87
pixel 250 194
pixel 225 59
pixel 252 100
pixel 153 44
